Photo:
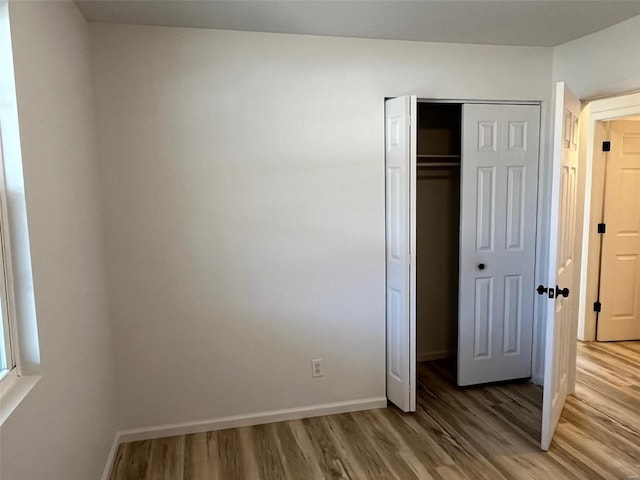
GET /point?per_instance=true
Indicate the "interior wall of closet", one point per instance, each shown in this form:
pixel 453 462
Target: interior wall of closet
pixel 437 229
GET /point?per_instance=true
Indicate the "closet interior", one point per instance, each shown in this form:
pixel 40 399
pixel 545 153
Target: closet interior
pixel 439 129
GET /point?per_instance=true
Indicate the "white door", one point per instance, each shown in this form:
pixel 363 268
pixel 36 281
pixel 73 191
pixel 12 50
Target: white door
pixel 619 318
pixel 400 207
pixel 497 242
pixel 561 328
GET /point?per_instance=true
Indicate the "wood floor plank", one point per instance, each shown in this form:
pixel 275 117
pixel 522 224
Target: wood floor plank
pixel 457 442
pixel 166 459
pixel 573 447
pixel 297 463
pixel 623 440
pixel 633 347
pixel 268 457
pixel 484 435
pixel 361 447
pixel 135 463
pixel 119 462
pixel 200 455
pixel 250 466
pixel 230 456
pixel 425 448
pixel 306 445
pixel 488 432
pixel 602 459
pixel 334 461
pixel 382 447
pixel 452 473
pixel 393 450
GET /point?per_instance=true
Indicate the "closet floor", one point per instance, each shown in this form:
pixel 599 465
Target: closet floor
pixel 489 432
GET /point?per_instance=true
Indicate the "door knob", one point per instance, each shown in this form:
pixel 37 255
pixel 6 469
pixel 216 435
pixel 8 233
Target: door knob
pixel 553 293
pixel 481 266
pixel 549 291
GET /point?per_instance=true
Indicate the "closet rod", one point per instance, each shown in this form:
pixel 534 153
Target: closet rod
pixel 439 164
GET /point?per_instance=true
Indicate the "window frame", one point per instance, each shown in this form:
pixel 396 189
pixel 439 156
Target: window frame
pixel 9 355
pixel 15 251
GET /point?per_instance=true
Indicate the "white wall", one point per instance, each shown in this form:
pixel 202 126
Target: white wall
pixel 65 426
pixel 243 184
pixel 602 63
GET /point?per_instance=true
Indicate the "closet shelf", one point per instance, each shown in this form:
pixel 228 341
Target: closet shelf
pixel 438 156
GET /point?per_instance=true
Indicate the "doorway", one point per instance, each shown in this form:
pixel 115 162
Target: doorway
pixel 614 120
pixel 618 304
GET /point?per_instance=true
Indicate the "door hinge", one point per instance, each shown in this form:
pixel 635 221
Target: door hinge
pixel 602 228
pixel 597 307
pixel 606 146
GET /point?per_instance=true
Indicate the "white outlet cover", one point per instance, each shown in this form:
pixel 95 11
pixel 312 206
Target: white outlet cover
pixel 316 367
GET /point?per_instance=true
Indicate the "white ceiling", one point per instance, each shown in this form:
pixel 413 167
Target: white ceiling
pixel 499 22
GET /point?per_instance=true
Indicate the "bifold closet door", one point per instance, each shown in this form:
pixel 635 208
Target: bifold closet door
pixel 497 241
pixel 400 218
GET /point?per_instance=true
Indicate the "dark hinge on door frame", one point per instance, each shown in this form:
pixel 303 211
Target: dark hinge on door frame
pixel 602 229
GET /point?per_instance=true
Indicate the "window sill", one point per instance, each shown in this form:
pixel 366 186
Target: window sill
pixel 14 389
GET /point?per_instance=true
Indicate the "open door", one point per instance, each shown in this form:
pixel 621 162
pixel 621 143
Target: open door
pixel 400 214
pixel 561 334
pixel 619 296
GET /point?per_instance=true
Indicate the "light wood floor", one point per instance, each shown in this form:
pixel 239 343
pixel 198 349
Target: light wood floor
pixel 487 433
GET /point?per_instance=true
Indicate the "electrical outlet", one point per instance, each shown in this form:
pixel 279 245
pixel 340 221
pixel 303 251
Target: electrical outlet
pixel 316 368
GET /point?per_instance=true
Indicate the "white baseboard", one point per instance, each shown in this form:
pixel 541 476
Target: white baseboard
pixel 111 457
pixel 426 357
pixel 199 426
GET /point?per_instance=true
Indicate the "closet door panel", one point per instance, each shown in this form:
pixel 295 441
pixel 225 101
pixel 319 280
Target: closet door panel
pixel 497 245
pixel 516 193
pixel 485 225
pixel 512 314
pixel 518 136
pixel 483 314
pixel 487 136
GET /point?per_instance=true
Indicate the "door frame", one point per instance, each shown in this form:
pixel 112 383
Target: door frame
pixel 600 110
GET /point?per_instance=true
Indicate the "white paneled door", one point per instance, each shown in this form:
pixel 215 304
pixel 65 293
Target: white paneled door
pixel 619 318
pixel 497 244
pixel 561 328
pixel 400 210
